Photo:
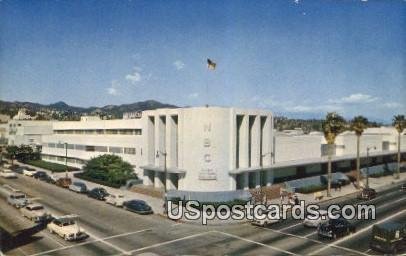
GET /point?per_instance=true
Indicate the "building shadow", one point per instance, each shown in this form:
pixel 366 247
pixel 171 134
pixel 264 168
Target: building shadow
pixel 10 241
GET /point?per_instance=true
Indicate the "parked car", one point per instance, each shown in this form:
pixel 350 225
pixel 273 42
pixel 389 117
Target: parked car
pixel 63 182
pixel 137 206
pixel 78 187
pixel 17 199
pixel 67 228
pixel 389 238
pixel 403 187
pixel 39 175
pixel 29 172
pixel 98 193
pixel 335 228
pixel 314 223
pixel 19 169
pixel 35 212
pixel 8 174
pixel 265 222
pixel 115 199
pixel 367 194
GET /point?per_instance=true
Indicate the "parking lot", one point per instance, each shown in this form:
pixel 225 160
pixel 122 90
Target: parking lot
pixel 114 231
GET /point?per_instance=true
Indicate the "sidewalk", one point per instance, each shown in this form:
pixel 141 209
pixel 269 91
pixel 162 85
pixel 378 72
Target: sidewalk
pixel 155 203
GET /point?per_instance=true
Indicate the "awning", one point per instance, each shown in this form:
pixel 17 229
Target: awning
pixel 309 161
pixel 161 169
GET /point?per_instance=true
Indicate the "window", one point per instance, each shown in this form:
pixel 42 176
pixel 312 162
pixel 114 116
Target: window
pixel 99 131
pixel 89 148
pixel 116 150
pixel 100 149
pixel 51 145
pixel 60 145
pixel 79 147
pixel 78 131
pixel 130 151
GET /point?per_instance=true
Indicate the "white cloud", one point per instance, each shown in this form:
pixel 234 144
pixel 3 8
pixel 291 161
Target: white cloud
pixel 179 64
pixel 296 1
pixel 393 105
pixel 135 76
pixel 357 98
pixel 112 90
pixel 193 95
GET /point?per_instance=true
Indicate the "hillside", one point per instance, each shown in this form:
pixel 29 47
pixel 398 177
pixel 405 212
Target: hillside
pixel 62 111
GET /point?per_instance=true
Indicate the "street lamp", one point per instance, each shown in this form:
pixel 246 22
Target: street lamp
pixel 368 148
pixel 66 158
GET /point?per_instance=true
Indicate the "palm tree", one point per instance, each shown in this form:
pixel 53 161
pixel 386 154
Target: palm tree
pixel 358 125
pixel 332 126
pixel 400 124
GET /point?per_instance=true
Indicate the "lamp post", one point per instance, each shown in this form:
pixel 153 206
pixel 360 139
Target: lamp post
pixel 66 157
pixel 368 148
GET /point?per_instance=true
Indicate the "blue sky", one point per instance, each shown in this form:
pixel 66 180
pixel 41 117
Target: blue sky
pixel 296 57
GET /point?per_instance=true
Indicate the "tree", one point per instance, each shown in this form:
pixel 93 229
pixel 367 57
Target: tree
pixel 358 125
pixel 400 124
pixel 333 125
pixel 109 168
pixel 11 153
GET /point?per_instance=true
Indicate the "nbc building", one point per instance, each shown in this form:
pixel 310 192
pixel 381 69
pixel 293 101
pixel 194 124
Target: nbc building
pixel 205 148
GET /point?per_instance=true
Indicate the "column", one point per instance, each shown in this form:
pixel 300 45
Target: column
pixel 245 179
pixel 269 177
pixel 233 181
pixel 255 149
pixel 169 181
pixel 158 180
pixel 148 178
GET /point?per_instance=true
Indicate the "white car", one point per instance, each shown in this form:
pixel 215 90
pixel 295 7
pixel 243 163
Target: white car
pixel 35 212
pixel 115 199
pixel 314 223
pixel 8 174
pixel 28 172
pixel 266 221
pixel 67 228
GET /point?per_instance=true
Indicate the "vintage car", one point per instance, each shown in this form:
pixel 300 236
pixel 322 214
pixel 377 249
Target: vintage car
pixel 8 174
pixel 335 228
pixel 367 194
pixel 63 182
pixel 35 212
pixel 67 228
pixel 115 199
pixel 389 238
pixel 315 222
pixel 29 172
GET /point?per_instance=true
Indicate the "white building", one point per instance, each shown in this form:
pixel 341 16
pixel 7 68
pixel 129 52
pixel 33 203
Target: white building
pixel 203 148
pixel 27 132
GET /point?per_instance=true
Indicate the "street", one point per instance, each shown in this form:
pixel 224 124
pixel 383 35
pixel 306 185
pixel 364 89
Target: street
pixel 114 231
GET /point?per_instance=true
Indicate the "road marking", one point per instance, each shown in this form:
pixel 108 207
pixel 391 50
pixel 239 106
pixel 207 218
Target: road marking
pixel 21 250
pixel 368 250
pixel 313 233
pixel 93 241
pixel 291 226
pixel 356 233
pixel 255 242
pixel 176 224
pixel 316 241
pixel 171 241
pixel 98 239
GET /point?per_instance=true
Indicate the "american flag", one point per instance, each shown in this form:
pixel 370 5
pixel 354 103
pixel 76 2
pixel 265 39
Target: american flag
pixel 211 64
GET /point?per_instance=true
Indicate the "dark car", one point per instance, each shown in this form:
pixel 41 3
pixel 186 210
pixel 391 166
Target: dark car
pixel 41 175
pixel 335 228
pixel 367 194
pixel 19 170
pixel 138 206
pixel 389 237
pixel 98 193
pixel 403 187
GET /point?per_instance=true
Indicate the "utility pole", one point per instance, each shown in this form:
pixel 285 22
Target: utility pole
pixel 368 148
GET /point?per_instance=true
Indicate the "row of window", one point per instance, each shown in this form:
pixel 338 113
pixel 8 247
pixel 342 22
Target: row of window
pixel 62 159
pixel 101 131
pixel 90 148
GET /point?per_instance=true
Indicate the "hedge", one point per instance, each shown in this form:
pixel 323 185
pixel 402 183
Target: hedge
pixel 49 166
pixel 101 182
pixel 311 188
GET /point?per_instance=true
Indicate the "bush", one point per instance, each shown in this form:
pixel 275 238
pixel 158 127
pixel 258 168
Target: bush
pixel 108 169
pixel 50 166
pixel 311 189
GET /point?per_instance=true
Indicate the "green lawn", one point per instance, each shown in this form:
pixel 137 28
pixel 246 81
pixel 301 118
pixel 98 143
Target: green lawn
pixel 48 165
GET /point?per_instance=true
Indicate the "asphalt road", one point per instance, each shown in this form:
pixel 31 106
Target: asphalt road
pixel 114 231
